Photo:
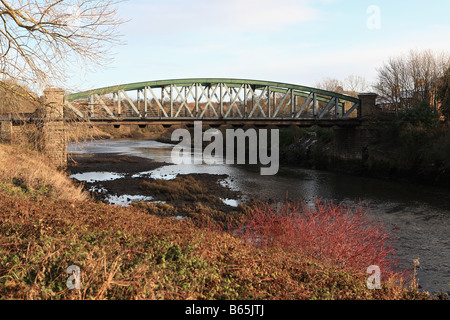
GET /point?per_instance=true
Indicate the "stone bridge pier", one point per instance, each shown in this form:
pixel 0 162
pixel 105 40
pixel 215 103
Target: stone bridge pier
pixel 350 143
pixel 54 143
pixel 46 134
pixel 6 131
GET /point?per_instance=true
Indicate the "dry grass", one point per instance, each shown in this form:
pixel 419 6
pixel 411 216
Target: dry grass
pixel 32 172
pixel 183 187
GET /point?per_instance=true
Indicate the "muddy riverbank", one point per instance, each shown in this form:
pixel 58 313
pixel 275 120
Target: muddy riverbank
pixel 121 180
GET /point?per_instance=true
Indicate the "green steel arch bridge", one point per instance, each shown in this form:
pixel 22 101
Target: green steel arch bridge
pixel 214 102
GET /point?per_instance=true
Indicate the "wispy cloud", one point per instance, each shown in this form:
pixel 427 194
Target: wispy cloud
pixel 260 15
pixel 176 16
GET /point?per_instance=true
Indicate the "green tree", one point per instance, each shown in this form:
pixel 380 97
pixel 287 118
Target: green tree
pixel 420 114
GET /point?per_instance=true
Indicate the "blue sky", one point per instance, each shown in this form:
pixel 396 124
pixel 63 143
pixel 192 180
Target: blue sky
pixel 294 41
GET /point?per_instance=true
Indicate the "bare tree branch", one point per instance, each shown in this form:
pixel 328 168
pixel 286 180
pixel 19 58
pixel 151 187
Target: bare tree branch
pixel 40 39
pixel 411 77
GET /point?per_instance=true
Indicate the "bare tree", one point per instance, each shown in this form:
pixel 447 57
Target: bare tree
pixel 392 81
pixel 352 85
pixel 355 84
pixel 409 78
pixel 15 98
pixel 40 39
pixel 331 84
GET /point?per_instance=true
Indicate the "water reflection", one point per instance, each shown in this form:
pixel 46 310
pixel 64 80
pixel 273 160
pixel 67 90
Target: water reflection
pixel 96 176
pixel 230 202
pixel 126 200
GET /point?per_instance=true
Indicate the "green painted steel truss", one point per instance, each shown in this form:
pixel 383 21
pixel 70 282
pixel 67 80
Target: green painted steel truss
pixel 213 99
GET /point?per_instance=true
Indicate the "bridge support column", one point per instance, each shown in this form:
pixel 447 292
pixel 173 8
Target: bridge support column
pixel 54 130
pixel 368 104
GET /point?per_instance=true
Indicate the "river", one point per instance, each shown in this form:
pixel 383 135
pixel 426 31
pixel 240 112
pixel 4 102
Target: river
pixel 420 215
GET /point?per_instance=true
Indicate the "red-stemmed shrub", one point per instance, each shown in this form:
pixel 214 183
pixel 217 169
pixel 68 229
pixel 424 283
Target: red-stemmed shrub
pixel 338 234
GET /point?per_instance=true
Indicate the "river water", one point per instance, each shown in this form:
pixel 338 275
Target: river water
pixel 420 215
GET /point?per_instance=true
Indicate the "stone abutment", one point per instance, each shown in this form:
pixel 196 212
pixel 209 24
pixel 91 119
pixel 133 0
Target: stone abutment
pixel 351 143
pixel 48 134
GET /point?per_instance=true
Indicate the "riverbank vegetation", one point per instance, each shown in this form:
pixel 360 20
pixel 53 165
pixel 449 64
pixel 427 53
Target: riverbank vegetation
pixel 412 146
pixel 130 253
pixel 408 137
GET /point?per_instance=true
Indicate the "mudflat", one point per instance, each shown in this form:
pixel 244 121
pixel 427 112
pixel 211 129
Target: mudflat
pixel 186 195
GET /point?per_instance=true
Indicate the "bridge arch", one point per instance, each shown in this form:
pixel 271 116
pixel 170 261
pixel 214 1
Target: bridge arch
pixel 214 100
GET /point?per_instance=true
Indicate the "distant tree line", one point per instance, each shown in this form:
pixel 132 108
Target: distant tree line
pixel 351 85
pixel 413 78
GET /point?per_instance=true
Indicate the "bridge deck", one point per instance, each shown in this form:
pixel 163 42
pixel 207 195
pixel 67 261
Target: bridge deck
pixel 209 122
pixel 233 122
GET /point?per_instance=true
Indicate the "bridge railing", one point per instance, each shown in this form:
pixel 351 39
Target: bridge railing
pixel 219 99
